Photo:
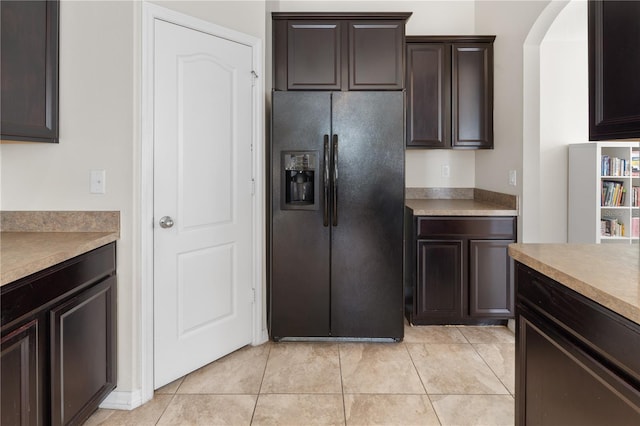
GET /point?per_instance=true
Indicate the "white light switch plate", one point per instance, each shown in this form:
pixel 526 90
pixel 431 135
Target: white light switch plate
pixel 98 178
pixel 512 178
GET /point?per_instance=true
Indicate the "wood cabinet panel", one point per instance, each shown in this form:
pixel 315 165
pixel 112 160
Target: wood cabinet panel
pixel 576 361
pixel 29 69
pixel 439 292
pixel 83 352
pixel 428 95
pixel 20 364
pixel 461 271
pixel 450 91
pixel 338 51
pixel 376 55
pixel 59 340
pixel 614 104
pixel 472 95
pixel 566 386
pixel 495 227
pixel 490 267
pixel 314 55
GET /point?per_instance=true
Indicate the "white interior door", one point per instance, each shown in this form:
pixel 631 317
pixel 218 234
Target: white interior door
pixel 202 128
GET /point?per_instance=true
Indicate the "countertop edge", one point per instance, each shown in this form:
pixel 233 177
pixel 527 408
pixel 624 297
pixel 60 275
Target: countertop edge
pixel 56 257
pixel 446 207
pixel 604 298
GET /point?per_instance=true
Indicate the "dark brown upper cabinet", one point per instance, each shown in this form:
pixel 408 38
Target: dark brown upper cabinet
pixel 450 91
pixel 338 51
pixel 614 61
pixel 29 66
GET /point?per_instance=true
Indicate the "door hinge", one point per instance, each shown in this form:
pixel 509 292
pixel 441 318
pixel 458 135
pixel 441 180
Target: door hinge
pixel 253 295
pixel 255 77
pixel 253 188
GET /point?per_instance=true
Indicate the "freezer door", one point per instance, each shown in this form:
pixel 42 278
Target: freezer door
pixel 299 286
pixel 367 243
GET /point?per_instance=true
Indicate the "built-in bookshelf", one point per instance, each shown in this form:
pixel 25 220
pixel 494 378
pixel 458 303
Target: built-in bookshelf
pixel 604 189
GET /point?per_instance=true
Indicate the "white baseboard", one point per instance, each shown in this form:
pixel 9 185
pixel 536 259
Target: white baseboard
pixel 123 400
pixel 263 338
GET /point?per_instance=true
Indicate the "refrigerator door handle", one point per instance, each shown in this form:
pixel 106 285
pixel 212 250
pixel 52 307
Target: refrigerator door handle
pixel 325 181
pixel 335 181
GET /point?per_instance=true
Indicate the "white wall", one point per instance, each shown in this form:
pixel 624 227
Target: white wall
pixel 510 21
pixel 428 18
pixel 96 132
pixel 99 129
pixel 564 113
pixel 246 16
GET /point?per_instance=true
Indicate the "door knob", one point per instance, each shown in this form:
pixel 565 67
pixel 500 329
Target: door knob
pixel 166 222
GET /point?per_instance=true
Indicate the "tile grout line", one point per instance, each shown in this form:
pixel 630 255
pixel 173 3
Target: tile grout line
pixel 426 393
pixel 264 373
pixel 173 396
pixel 344 407
pixel 487 364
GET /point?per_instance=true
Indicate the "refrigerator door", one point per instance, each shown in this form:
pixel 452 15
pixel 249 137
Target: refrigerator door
pixel 367 243
pixel 300 263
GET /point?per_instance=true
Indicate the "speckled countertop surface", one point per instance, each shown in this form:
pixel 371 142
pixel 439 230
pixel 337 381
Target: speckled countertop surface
pixel 24 253
pixel 608 274
pixel 460 202
pixel 33 241
pixel 458 208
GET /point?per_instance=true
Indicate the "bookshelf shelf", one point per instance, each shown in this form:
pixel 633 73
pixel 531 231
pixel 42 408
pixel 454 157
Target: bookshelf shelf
pixel 603 192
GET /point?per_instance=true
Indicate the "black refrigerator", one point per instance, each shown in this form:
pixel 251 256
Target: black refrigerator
pixel 337 207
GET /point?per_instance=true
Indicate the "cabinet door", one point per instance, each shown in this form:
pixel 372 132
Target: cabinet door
pixel 29 58
pixel 313 55
pixel 557 383
pixel 376 50
pixel 491 277
pixel 428 95
pixel 614 104
pixel 439 294
pixel 21 376
pixel 472 95
pixel 83 352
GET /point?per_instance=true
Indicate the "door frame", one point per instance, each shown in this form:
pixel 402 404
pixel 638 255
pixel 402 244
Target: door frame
pixel 151 12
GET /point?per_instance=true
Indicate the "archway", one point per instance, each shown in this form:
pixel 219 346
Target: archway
pixel 538 211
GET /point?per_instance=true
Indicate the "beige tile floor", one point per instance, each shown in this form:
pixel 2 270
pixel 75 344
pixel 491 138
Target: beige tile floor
pixel 437 376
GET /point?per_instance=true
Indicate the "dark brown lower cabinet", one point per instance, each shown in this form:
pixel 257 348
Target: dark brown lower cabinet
pixel 59 341
pixel 489 264
pixel 462 272
pixel 440 286
pixel 21 367
pixel 82 353
pixel 576 362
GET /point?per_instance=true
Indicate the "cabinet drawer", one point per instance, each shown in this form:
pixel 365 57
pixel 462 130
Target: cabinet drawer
pixel 598 329
pixel 477 227
pixel 44 288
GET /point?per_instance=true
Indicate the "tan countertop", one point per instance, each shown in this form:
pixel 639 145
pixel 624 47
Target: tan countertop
pixel 24 253
pixel 433 207
pixel 31 241
pixel 460 202
pixel 608 274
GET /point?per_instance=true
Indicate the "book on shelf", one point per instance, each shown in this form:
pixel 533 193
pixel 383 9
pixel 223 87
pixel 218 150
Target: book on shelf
pixel 635 227
pixel 635 163
pixel 610 227
pixel 635 196
pixel 612 193
pixel 614 166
